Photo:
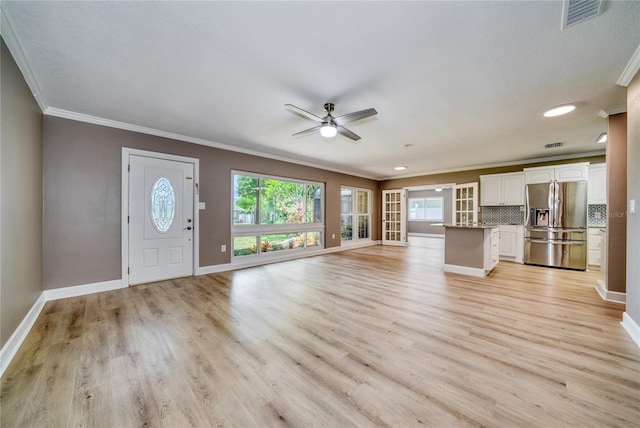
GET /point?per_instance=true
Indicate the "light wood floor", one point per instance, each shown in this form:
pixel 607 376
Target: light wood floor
pixel 377 336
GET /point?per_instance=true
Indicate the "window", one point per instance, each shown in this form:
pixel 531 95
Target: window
pixel 355 210
pixel 273 214
pixel 163 204
pixel 426 209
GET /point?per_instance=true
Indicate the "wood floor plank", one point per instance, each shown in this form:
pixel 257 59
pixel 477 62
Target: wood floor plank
pixel 377 336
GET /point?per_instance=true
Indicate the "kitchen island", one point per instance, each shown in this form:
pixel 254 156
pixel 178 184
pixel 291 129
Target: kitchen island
pixel 471 249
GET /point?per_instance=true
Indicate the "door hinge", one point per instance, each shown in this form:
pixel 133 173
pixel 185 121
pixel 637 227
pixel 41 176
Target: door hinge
pixel 128 271
pixel 129 167
pixel 127 219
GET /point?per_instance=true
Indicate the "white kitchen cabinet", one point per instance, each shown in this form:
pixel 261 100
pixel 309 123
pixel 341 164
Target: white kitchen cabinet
pixel 511 242
pixel 594 247
pixel 597 190
pixel 502 189
pixel 568 172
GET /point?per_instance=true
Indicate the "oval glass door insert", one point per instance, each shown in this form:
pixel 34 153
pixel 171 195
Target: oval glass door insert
pixel 163 204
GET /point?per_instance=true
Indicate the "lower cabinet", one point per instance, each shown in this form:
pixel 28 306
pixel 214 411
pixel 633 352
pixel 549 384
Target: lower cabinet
pixel 594 246
pixel 511 242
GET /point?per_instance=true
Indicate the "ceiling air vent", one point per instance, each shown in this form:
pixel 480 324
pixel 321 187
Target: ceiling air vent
pixel 576 11
pixel 553 145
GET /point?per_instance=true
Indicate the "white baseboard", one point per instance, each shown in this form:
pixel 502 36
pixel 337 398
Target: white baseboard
pixel 81 290
pixel 631 327
pixel 10 348
pixel 465 270
pixel 12 345
pixel 609 296
pixel 205 270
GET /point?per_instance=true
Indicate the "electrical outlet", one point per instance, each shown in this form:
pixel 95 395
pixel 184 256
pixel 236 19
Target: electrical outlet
pixel 223 248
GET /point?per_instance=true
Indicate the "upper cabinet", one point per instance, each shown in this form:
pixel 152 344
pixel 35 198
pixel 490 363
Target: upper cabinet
pixel 502 189
pixel 597 189
pixel 546 174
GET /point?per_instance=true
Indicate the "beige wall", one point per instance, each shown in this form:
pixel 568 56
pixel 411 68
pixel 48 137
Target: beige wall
pixel 82 171
pixel 20 198
pixel 616 202
pixel 633 192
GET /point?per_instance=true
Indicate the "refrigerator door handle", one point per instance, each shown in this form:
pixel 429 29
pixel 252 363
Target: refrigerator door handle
pixel 550 204
pixel 526 204
pixel 554 242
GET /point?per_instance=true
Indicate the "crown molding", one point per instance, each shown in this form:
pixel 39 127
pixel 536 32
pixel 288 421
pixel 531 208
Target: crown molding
pixel 11 40
pixel 605 113
pixel 631 69
pixel 500 164
pixel 81 117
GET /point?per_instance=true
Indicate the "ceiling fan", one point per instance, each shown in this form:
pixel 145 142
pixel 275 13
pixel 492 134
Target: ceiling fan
pixel 329 126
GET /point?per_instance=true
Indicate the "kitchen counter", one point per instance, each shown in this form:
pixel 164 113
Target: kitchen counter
pixel 471 249
pixel 471 226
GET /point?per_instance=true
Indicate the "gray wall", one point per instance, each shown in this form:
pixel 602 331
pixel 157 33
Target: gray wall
pixel 426 226
pixel 82 172
pixel 20 198
pixel 633 192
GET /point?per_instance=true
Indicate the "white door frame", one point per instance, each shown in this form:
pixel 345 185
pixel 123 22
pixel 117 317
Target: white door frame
pixel 451 186
pixel 126 153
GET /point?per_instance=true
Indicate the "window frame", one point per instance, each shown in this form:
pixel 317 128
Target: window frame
pixel 355 215
pixel 425 199
pixel 260 230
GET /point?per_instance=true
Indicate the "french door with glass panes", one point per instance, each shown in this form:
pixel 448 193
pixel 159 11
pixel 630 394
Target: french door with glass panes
pixel 393 217
pixel 466 203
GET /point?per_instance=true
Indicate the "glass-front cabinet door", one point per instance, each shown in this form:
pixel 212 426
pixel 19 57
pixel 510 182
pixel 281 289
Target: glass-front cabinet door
pixel 466 203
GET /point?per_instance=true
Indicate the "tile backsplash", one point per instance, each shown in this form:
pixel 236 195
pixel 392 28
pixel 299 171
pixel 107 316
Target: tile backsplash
pixel 597 215
pixel 503 215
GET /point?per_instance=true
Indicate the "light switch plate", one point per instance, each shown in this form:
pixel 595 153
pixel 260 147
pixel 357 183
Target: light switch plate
pixel 632 206
pixel 201 205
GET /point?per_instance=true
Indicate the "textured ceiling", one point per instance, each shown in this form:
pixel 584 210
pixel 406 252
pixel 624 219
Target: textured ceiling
pixel 463 83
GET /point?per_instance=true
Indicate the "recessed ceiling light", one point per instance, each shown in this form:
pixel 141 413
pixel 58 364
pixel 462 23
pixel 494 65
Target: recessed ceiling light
pixel 559 110
pixel 400 168
pixel 602 138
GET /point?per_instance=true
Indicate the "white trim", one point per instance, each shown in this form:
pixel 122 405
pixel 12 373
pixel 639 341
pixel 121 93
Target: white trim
pixel 80 117
pixel 425 235
pixel 609 296
pixel 12 345
pixel 126 153
pixel 631 69
pixel 82 290
pixel 465 270
pixel 631 327
pixel 600 152
pixel 19 57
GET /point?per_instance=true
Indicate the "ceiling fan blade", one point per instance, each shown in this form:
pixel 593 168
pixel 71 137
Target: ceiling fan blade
pixel 308 131
pixel 346 133
pixel 303 113
pixel 356 115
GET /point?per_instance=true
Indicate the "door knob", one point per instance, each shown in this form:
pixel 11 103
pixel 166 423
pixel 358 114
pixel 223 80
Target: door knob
pixel 188 228
pixel 188 220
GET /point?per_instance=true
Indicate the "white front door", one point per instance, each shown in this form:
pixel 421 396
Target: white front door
pixel 393 217
pixel 161 221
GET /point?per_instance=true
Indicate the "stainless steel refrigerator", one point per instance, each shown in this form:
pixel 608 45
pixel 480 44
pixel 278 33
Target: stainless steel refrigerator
pixel 556 225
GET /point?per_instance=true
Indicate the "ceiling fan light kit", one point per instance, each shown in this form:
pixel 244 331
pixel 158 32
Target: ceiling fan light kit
pixel 328 125
pixel 328 131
